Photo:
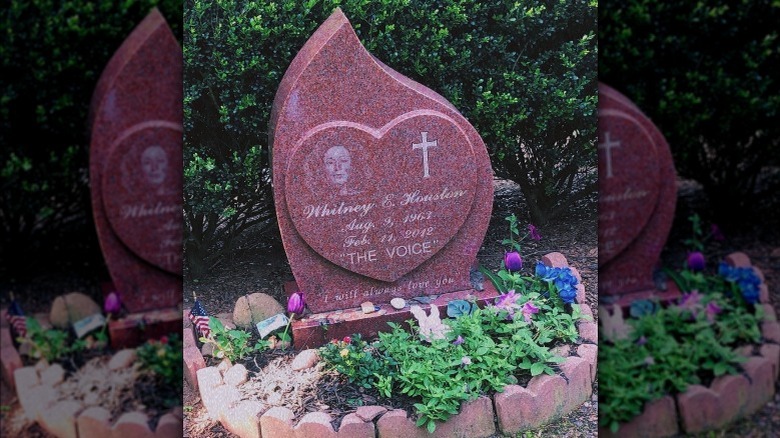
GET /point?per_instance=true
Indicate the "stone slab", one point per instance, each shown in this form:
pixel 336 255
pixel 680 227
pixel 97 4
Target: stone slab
pixel 308 332
pixel 136 166
pixel 658 419
pixel 638 185
pixel 376 201
pixel 136 328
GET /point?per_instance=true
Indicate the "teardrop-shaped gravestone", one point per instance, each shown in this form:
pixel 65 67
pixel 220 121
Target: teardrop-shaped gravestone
pixel 382 188
pixel 136 166
pixel 637 195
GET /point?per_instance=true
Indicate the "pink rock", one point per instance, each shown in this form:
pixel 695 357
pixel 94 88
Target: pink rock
pixel 769 312
pixel 407 170
pixel 132 425
pixel 762 387
pixel 659 418
pixel 475 420
pixel 122 359
pixel 519 409
pixel 763 293
pixel 556 260
pixel 637 195
pixel 10 361
pixel 305 360
pixel 277 421
pixel 208 378
pixel 315 424
pixel 220 400
pixel 352 426
pixel 6 340
pixel 94 421
pixel 244 419
pixel 700 409
pixel 369 413
pixel 193 362
pixel 187 323
pixel 772 352
pixel 589 331
pixel 589 352
pixel 771 331
pixel 236 375
pixel 395 423
pixel 586 311
pixel 579 388
pixel 733 393
pixel 576 273
pixel 60 419
pixel 136 166
pixel 581 293
pixel 227 320
pixel 738 259
pixel 562 350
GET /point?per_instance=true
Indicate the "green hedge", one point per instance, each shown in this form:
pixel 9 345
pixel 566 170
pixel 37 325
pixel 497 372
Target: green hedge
pixel 524 73
pixel 707 74
pixel 51 56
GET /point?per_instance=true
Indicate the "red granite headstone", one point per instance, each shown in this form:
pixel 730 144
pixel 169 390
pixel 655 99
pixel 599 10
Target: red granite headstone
pixel 136 166
pixel 637 196
pixel 382 188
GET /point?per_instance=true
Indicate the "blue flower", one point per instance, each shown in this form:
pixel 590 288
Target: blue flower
pixel 562 278
pixel 746 279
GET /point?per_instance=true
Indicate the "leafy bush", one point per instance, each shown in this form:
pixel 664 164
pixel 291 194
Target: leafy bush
pixel 49 344
pixel 51 56
pixel 231 344
pixel 714 93
pixel 523 74
pixel 164 359
pixel 358 360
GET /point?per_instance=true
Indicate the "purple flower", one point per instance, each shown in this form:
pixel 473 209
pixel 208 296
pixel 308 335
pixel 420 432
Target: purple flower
pixel 513 261
pixel 112 305
pixel 717 234
pixel 712 310
pixel 696 261
pixel 296 303
pixel 690 302
pixel 641 341
pixel 458 341
pixel 508 302
pixel 528 310
pixel 534 234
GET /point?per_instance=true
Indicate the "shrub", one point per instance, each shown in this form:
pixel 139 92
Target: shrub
pixel 713 92
pixel 51 56
pixel 524 75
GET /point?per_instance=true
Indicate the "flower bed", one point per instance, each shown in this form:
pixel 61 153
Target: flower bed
pixel 515 407
pixel 79 388
pixel 712 393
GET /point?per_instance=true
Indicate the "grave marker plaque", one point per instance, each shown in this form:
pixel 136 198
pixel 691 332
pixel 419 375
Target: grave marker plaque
pixel 382 188
pixel 136 166
pixel 637 196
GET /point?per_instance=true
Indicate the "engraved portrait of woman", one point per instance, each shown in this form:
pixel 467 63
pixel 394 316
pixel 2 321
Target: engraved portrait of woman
pixel 336 167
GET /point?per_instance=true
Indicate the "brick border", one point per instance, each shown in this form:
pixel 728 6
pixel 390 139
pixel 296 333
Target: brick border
pixel 70 419
pixel 728 398
pixel 516 409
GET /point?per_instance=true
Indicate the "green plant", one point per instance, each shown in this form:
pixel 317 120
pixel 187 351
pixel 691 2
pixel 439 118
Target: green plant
pixel 713 93
pixel 164 358
pixel 670 348
pixel 49 344
pixel 359 361
pixel 231 344
pixel 44 161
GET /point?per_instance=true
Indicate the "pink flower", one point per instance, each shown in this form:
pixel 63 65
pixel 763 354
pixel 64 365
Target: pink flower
pixel 508 302
pixel 528 310
pixel 717 234
pixel 513 261
pixel 112 305
pixel 691 302
pixel 712 310
pixel 534 234
pixel 347 339
pixel 296 303
pixel 696 261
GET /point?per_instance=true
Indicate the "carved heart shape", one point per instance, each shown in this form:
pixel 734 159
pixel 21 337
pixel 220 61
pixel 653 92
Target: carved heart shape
pixel 629 181
pixel 380 202
pixel 142 187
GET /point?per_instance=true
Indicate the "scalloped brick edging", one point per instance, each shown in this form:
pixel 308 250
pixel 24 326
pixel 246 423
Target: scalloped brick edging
pixel 516 409
pixel 70 419
pixel 728 398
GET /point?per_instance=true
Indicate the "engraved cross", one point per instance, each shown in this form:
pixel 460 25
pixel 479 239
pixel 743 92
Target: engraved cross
pixel 608 145
pixel 424 145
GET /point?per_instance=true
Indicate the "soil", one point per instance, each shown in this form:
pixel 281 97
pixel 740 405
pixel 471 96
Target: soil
pixel 265 268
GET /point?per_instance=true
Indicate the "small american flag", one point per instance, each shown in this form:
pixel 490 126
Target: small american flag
pixel 17 319
pixel 199 317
